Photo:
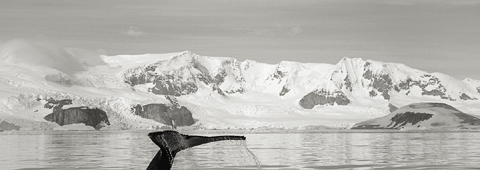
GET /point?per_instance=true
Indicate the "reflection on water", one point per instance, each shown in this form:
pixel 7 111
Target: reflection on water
pixel 134 150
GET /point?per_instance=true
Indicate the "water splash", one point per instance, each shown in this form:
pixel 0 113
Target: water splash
pixel 257 162
pixel 229 154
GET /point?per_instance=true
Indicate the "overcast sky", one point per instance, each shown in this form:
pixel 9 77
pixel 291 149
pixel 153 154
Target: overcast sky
pixel 435 36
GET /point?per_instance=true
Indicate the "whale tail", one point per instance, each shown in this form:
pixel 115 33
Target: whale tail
pixel 172 142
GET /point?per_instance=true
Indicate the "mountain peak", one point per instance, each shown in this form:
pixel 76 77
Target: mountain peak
pixel 187 52
pixel 348 59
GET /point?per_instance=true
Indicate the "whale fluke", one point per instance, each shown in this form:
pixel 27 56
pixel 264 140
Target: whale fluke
pixel 172 142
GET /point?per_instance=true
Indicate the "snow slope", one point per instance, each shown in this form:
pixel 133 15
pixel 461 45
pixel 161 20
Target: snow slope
pixel 221 92
pixel 422 116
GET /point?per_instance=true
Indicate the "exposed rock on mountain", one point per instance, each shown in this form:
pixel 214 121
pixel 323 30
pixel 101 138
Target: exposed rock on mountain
pixel 8 126
pixel 56 104
pixel 323 98
pixel 96 118
pixel 169 115
pixel 422 115
pixel 61 79
pixel 392 107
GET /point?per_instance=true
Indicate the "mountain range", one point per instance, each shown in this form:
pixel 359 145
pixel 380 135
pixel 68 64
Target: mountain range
pixel 220 92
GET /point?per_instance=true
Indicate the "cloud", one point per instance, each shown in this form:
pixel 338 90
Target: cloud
pixel 133 31
pixel 39 53
pixel 43 52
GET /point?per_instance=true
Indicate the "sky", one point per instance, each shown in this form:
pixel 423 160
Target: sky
pixel 434 36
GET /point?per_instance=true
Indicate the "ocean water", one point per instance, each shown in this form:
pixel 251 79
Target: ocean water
pixel 320 150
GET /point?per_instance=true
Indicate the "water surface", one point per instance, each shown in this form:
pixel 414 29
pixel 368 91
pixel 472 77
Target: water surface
pixel 337 150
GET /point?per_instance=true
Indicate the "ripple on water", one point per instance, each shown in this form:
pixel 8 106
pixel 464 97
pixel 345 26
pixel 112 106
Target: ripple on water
pixel 134 150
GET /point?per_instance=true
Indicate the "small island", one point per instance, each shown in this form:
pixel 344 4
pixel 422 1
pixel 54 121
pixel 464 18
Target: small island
pixel 422 116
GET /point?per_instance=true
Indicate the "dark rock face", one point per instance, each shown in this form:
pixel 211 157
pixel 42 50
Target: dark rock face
pixel 168 115
pixel 409 117
pixel 323 97
pixel 382 83
pixel 165 84
pixel 429 81
pixel 478 89
pixel 466 97
pixel 90 117
pixel 284 91
pixel 56 104
pixel 173 86
pixel 392 107
pixel 8 126
pixel 348 84
pixel 277 74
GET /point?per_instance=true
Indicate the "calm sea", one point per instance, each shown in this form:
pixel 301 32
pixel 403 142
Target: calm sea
pixel 332 150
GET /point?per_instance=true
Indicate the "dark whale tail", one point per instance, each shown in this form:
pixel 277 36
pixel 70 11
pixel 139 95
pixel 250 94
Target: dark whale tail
pixel 172 142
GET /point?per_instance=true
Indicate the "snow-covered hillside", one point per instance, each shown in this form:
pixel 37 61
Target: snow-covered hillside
pixel 422 116
pixel 220 92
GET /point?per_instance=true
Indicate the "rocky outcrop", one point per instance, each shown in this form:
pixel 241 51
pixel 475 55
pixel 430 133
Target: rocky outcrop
pixel 60 79
pixel 173 115
pixel 402 119
pixel 96 118
pixel 322 97
pixel 175 82
pixel 168 85
pixel 466 97
pixel 8 126
pixel 56 104
pixel 284 91
pixel 422 116
pixel 424 82
pixel 392 107
pixel 381 83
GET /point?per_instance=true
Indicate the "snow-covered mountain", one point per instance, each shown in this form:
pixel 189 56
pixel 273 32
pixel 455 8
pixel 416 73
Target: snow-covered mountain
pixel 220 92
pixel 313 84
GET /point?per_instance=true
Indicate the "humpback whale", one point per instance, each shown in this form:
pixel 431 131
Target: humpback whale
pixel 172 142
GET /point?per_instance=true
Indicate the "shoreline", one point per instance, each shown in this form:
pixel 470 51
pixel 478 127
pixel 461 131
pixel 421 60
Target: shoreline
pixel 198 131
